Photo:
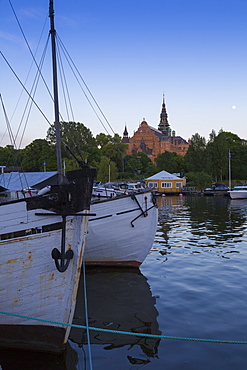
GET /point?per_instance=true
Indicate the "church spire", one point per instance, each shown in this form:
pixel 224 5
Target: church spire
pixel 125 136
pixel 125 131
pixel 164 126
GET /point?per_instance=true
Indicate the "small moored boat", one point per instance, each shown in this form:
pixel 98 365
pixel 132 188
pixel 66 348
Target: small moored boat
pixel 238 192
pixel 123 230
pixel 216 189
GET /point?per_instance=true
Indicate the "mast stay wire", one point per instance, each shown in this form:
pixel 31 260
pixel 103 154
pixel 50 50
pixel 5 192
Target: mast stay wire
pixel 24 84
pixel 11 135
pixel 12 140
pixel 25 89
pixel 29 48
pixel 34 60
pixel 73 69
pixel 68 106
pixel 70 63
pixel 29 103
pixel 31 94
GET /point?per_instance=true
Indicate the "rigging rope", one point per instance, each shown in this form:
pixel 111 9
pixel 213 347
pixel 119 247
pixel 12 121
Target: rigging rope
pixel 25 88
pixel 86 313
pixel 77 74
pixel 128 333
pixel 91 100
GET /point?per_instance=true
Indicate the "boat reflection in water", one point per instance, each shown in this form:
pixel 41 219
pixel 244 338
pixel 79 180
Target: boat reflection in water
pixel 118 299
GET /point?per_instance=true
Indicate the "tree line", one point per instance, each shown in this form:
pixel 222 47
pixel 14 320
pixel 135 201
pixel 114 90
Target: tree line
pixel 206 161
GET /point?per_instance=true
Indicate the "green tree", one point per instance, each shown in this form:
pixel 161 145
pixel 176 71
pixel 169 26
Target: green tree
pixel 10 157
pixel 238 149
pixel 138 166
pixel 150 170
pixel 38 152
pixel 102 140
pixel 170 162
pixel 195 156
pixel 78 138
pixel 107 170
pixel 217 156
pixel 115 150
pixel 200 180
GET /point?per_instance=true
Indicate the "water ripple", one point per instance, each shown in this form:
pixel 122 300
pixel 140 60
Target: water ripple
pixel 201 224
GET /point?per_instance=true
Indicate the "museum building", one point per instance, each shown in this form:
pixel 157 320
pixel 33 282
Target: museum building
pixel 152 141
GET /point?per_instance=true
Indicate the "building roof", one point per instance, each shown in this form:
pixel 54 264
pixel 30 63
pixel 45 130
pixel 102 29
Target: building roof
pixel 181 139
pixel 157 132
pixel 163 175
pixel 15 181
pixel 155 129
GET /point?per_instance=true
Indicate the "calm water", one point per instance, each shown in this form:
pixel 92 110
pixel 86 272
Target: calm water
pixel 192 284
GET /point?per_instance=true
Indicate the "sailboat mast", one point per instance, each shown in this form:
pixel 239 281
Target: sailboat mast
pixel 55 92
pixel 230 175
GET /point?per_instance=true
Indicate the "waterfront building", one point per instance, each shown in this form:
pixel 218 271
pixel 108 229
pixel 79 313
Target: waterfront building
pixel 165 182
pixel 152 141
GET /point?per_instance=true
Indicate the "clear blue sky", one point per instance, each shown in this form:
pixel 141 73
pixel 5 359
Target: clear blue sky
pixel 130 52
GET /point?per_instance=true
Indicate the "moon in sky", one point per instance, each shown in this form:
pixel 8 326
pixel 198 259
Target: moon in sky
pixel 234 107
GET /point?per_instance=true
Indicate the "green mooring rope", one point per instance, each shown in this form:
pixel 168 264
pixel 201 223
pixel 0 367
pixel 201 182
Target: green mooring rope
pixel 126 332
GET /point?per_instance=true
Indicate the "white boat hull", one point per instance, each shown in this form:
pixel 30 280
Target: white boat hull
pixel 120 234
pixel 31 285
pixel 238 194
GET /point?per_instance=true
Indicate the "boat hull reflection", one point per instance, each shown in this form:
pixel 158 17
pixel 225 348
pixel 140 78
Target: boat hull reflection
pixel 118 299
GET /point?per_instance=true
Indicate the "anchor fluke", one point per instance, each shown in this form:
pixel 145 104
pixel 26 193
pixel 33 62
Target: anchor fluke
pixel 63 257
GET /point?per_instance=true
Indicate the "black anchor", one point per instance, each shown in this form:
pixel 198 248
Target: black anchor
pixel 65 257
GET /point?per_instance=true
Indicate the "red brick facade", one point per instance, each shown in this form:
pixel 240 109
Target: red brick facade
pixel 154 142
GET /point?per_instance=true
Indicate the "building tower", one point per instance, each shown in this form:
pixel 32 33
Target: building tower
pixel 164 126
pixel 125 138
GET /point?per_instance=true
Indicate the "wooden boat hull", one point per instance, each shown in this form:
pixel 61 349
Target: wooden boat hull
pixel 120 234
pixel 31 285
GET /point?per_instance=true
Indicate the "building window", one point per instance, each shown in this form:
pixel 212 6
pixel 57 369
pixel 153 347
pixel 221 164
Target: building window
pixel 166 184
pixel 152 185
pixel 178 185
